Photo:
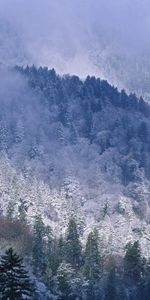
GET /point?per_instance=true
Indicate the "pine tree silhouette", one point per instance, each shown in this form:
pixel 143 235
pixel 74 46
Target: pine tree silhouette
pixel 14 280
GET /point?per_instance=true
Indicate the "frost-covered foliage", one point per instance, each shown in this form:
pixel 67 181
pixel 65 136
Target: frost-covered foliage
pixel 71 147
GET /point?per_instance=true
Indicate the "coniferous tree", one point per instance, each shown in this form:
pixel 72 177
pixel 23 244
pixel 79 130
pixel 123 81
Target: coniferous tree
pixel 14 280
pixel 39 246
pixel 92 266
pixel 50 258
pixel 133 262
pixel 64 278
pixel 73 246
pixel 49 244
pixel 61 249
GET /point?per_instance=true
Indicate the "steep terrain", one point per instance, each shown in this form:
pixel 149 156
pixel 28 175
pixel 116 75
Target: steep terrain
pixel 71 147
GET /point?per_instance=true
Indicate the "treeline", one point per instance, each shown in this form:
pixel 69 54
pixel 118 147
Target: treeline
pixel 93 89
pixel 71 270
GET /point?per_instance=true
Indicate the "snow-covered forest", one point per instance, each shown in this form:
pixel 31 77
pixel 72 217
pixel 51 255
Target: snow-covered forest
pixel 75 147
pixel 74 150
pixel 74 184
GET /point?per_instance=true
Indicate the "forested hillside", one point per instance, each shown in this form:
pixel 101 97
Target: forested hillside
pixel 74 186
pixel 75 148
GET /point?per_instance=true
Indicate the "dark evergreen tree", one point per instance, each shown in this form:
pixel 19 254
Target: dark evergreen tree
pixel 92 266
pixel 14 280
pixel 92 269
pixel 50 258
pixel 73 246
pixel 133 262
pixel 49 241
pixel 61 249
pixel 39 247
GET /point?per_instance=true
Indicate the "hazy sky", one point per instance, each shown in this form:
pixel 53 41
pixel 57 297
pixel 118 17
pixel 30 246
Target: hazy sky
pixel 70 34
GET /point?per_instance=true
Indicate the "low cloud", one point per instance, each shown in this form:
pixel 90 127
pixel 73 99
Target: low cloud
pixel 79 36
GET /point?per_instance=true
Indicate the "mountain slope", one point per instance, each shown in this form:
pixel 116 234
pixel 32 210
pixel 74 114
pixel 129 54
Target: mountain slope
pixel 71 147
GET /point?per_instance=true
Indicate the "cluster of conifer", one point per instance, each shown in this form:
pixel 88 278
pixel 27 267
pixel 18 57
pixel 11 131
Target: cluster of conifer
pixel 71 270
pixel 74 271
